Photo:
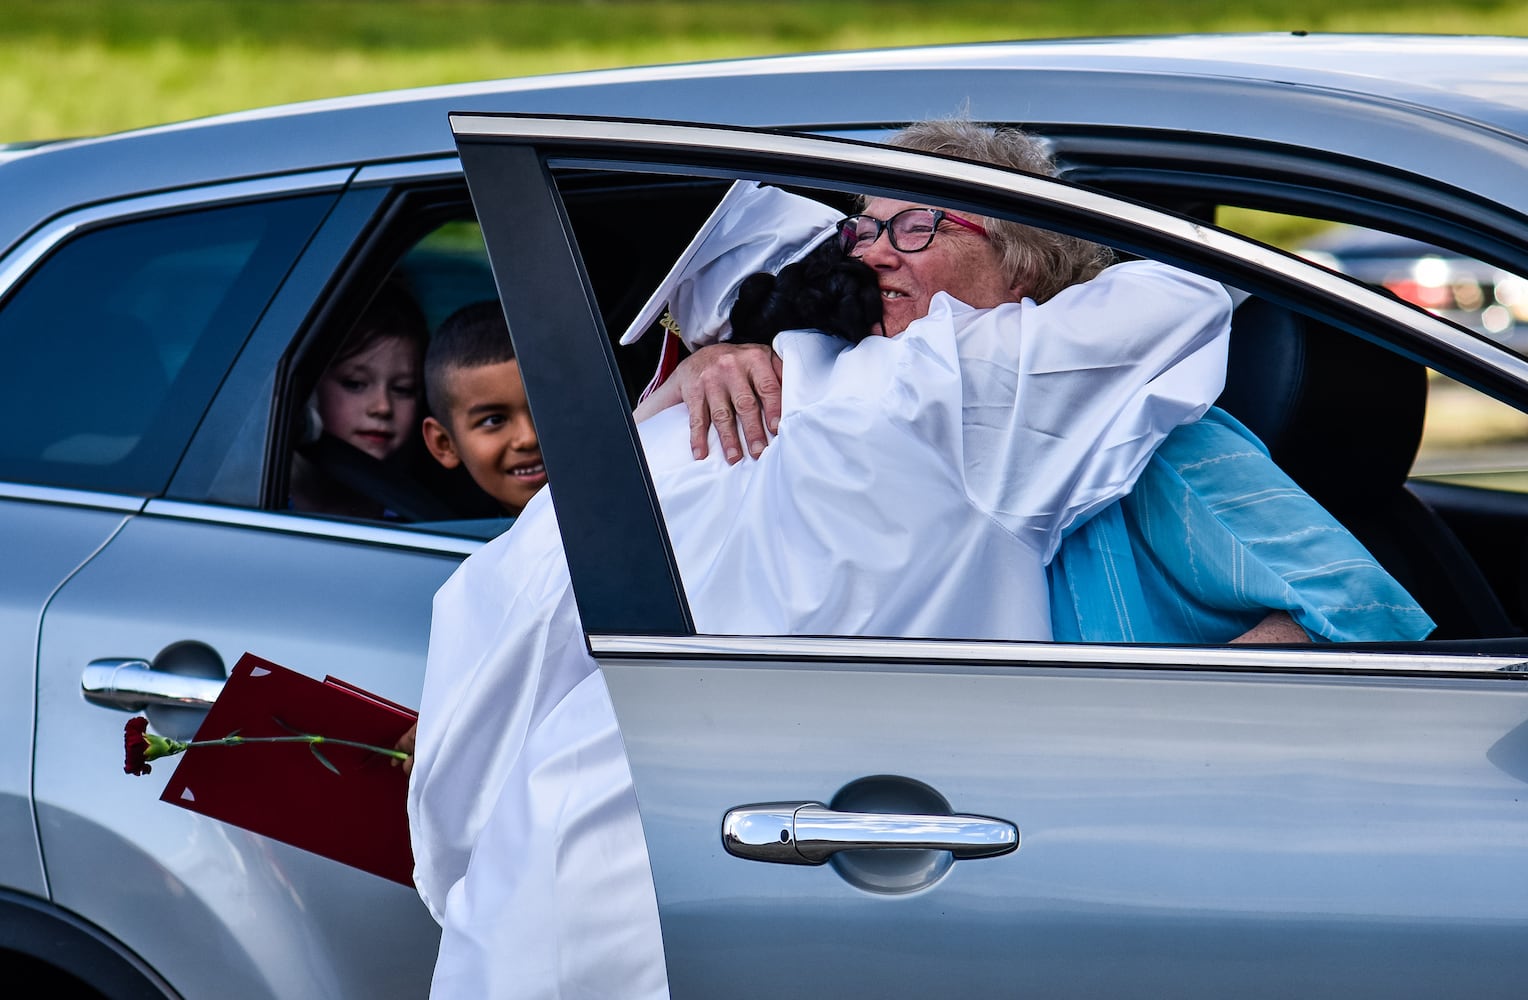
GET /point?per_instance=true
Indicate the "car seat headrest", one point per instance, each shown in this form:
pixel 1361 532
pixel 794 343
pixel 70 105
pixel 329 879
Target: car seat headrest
pixel 1342 416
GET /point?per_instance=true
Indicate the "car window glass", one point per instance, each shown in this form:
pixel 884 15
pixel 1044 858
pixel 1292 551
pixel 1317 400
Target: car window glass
pixel 443 271
pixel 597 246
pixel 1472 439
pixel 1224 510
pixel 630 229
pixel 116 342
pixel 1481 297
pixel 447 269
pixel 1468 437
pixel 336 469
pixel 1330 497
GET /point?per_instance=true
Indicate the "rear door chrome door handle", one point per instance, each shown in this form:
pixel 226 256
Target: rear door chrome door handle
pixel 130 684
pixel 809 833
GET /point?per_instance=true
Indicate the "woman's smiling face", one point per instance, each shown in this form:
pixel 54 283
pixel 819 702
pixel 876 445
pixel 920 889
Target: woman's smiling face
pixel 958 261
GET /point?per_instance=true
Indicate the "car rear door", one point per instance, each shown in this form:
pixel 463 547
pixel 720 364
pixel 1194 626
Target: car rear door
pixel 46 534
pixel 189 586
pixel 834 816
pixel 105 379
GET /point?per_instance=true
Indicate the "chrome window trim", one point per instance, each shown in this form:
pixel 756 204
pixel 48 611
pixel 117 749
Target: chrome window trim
pixel 64 496
pixel 684 143
pixel 299 524
pixel 16 264
pixel 846 651
pixel 436 168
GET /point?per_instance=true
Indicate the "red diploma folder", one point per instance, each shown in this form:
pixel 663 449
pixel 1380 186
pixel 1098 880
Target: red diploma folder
pixel 281 790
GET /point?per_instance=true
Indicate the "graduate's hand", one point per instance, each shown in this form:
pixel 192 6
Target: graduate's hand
pixel 728 386
pixel 406 744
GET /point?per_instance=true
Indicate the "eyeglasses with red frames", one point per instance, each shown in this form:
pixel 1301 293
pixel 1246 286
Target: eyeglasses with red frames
pixel 910 230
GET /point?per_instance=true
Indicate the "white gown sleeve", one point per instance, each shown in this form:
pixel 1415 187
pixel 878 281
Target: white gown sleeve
pixel 527 843
pixel 918 484
pixel 1065 402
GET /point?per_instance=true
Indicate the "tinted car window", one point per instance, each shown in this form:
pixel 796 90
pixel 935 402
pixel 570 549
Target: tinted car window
pixel 117 341
pixel 436 255
pixel 447 269
pixel 1481 297
pixel 329 475
pixel 1468 437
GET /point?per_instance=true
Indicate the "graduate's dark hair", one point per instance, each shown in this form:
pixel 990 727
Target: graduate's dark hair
pixel 823 291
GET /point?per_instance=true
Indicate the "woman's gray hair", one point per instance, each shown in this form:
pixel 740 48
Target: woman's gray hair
pixel 1040 262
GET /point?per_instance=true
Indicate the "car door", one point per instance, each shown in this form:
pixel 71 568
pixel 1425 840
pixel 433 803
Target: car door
pixel 830 816
pixel 47 534
pixel 53 514
pixel 195 578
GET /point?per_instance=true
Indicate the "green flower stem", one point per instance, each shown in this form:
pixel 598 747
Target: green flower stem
pixel 232 740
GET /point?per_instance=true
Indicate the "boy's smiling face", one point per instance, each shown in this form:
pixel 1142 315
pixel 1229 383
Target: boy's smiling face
pixel 489 430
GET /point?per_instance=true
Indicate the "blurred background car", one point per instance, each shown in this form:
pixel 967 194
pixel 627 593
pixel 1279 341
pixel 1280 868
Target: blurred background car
pixel 1487 299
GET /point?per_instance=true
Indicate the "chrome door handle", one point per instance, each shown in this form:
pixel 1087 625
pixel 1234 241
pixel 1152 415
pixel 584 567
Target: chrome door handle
pixel 809 833
pixel 131 684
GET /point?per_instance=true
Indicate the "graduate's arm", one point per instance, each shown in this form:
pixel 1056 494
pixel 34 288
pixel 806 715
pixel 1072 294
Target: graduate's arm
pixel 658 400
pixel 1110 366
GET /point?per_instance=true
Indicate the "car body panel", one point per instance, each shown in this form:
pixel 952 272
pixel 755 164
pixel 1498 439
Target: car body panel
pixel 276 922
pixel 45 538
pixel 1178 829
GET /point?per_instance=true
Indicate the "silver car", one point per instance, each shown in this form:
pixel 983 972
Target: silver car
pixel 1193 821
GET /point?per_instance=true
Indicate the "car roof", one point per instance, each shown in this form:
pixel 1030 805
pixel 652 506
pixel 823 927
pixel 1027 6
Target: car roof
pixel 1390 84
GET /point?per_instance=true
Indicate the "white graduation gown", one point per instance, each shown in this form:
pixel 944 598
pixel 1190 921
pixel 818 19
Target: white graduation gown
pixel 917 487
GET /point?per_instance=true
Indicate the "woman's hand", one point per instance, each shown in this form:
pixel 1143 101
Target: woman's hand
pixel 1277 627
pixel 725 386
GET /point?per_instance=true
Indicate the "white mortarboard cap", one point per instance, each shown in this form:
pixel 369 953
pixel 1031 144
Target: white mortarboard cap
pixel 753 228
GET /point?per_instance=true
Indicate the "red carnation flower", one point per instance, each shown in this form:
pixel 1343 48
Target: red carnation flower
pixel 136 744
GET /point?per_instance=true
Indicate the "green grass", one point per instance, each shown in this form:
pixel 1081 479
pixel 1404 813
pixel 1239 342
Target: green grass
pixel 79 67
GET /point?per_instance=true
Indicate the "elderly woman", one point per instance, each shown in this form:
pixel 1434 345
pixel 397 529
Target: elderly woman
pixel 1215 543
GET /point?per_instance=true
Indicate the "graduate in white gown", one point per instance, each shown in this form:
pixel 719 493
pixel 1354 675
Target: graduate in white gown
pixel 917 487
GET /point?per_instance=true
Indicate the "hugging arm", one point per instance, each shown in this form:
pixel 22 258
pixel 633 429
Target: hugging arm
pixel 1277 627
pixel 735 385
pixel 730 387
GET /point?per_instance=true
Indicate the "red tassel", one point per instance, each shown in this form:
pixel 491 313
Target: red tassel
pixel 668 360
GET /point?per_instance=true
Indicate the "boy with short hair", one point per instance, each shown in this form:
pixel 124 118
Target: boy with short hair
pixel 480 416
